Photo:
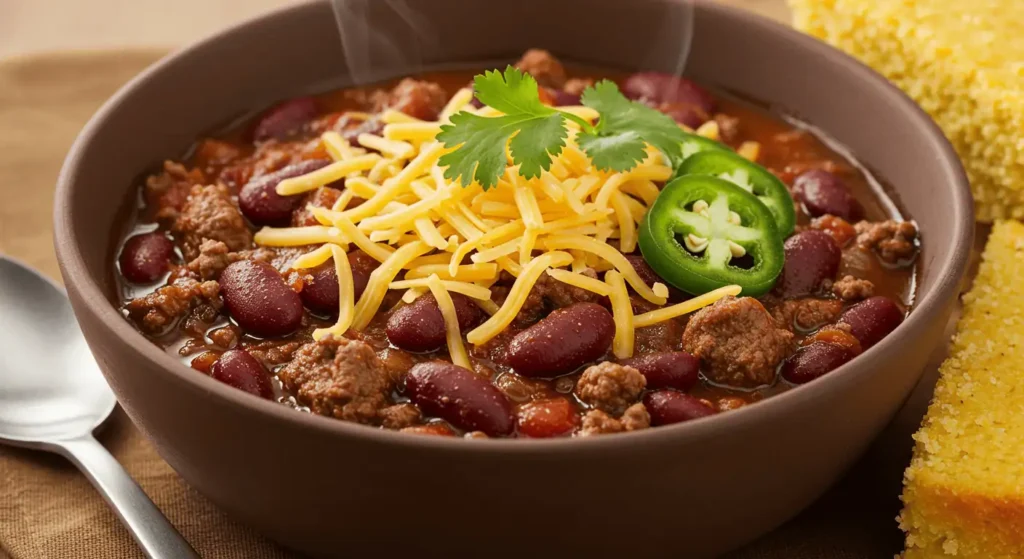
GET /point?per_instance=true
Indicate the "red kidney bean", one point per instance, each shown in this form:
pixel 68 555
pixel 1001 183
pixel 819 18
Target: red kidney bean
pixel 812 257
pixel 362 265
pixel 563 342
pixel 457 395
pixel 564 98
pixel 665 88
pixel 259 299
pixel 688 115
pixel 822 192
pixel 320 293
pixel 814 361
pixel 669 369
pixel 239 369
pixel 547 418
pixel 284 119
pixel 669 406
pixel 146 258
pixel 261 203
pixel 872 319
pixel 420 326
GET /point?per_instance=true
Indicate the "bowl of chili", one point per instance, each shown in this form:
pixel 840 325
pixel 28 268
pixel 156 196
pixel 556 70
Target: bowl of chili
pixel 331 487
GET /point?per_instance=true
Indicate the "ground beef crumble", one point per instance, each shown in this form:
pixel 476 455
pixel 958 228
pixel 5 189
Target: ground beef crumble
pixel 209 213
pixel 168 190
pixel 597 422
pixel 323 197
pixel 892 240
pixel 544 67
pixel 610 387
pixel 738 342
pixel 419 99
pixel 850 288
pixel 157 312
pixel 400 416
pixel 548 294
pixel 213 257
pixel 806 314
pixel 339 378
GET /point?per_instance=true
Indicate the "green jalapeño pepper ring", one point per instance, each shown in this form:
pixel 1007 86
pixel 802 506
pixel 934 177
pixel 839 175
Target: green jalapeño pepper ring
pixel 703 233
pixel 751 177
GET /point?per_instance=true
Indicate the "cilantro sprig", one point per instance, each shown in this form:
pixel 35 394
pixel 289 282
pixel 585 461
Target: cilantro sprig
pixel 535 132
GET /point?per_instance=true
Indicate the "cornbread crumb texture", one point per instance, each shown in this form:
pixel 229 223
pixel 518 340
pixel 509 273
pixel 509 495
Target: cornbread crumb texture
pixel 962 61
pixel 964 489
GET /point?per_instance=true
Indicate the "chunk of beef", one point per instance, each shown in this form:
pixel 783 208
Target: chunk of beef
pixel 738 342
pixel 213 257
pixel 544 67
pixel 400 416
pixel 168 190
pixel 340 378
pixel 396 362
pixel 547 295
pixel 610 387
pixel 850 288
pixel 278 257
pixel 323 197
pixel 892 240
pixel 273 352
pixel 160 310
pixel 728 128
pixel 209 213
pixel 575 86
pixel 419 99
pixel 597 422
pixel 662 336
pixel 805 314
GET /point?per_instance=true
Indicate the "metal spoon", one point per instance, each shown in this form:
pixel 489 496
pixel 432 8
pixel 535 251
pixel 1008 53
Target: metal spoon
pixel 52 397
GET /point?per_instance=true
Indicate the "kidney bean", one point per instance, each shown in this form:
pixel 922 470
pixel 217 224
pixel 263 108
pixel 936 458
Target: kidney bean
pixel 320 293
pixel 666 88
pixel 284 119
pixel 814 361
pixel 547 418
pixel 811 258
pixel 261 203
pixel 362 265
pixel 670 406
pixel 872 319
pixel 563 342
pixel 822 192
pixel 420 326
pixel 259 299
pixel 146 258
pixel 687 115
pixel 239 369
pixel 457 395
pixel 563 98
pixel 669 369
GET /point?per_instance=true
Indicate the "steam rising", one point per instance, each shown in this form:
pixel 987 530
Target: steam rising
pixel 373 55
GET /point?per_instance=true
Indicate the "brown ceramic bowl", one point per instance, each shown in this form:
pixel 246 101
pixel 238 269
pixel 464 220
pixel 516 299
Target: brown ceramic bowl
pixel 330 487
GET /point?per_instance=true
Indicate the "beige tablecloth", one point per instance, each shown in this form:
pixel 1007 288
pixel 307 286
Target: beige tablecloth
pixel 48 510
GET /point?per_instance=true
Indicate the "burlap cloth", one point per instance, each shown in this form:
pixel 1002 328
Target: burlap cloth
pixel 48 510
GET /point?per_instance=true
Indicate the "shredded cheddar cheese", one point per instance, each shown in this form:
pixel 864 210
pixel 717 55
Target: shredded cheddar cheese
pixel 434 235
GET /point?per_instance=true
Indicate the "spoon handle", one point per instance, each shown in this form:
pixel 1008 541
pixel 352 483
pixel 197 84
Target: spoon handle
pixel 150 528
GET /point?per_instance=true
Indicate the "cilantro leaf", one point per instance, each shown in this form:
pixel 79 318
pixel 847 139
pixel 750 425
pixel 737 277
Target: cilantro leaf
pixel 617 142
pixel 537 132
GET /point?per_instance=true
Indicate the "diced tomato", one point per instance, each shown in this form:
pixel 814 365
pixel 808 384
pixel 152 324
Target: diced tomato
pixel 833 335
pixel 838 228
pixel 546 418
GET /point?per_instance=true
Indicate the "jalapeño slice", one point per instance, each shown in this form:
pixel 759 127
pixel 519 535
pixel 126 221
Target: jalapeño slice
pixel 751 177
pixel 703 233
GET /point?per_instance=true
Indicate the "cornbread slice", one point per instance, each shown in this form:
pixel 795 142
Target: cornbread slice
pixel 962 60
pixel 964 490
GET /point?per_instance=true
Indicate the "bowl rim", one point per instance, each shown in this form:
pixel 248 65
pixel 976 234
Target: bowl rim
pixel 96 302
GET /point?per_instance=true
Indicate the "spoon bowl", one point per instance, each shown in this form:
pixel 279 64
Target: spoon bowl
pixel 50 386
pixel 52 397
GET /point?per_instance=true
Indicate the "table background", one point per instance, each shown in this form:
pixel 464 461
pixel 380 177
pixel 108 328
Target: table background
pixel 853 521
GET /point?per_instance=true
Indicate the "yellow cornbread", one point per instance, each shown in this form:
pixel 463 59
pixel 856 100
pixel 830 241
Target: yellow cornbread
pixel 962 61
pixel 964 489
